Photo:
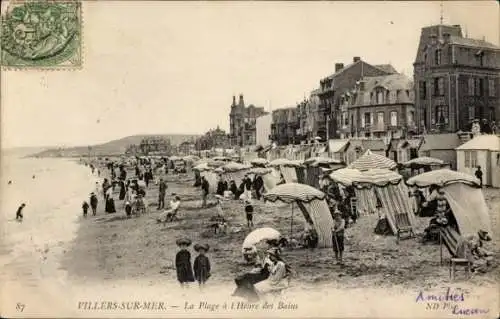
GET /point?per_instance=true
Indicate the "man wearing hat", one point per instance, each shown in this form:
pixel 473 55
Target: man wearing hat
pixel 93 203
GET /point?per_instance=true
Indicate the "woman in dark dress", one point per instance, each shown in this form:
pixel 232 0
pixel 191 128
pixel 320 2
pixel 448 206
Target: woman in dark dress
pixel 122 191
pixel 183 263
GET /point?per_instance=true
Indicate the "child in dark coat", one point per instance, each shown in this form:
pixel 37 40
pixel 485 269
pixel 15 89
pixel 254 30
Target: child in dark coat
pixel 183 263
pixel 201 264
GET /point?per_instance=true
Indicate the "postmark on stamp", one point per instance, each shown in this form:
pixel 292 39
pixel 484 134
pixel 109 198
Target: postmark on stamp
pixel 42 35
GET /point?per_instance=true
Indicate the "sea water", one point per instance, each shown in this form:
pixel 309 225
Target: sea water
pixel 30 251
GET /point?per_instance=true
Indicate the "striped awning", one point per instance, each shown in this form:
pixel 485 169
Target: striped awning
pixel 442 177
pixel 378 177
pixel 290 192
pixel 371 160
pixel 423 161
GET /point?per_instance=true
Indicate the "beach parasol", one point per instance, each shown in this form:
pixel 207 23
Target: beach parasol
pixel 259 235
pixel 214 163
pixel 174 158
pixel 234 167
pixel 371 160
pixel 442 177
pixel 219 170
pixel 202 167
pixel 423 161
pixel 221 158
pixel 191 158
pixel 259 170
pixel 315 161
pixel 346 176
pixel 259 162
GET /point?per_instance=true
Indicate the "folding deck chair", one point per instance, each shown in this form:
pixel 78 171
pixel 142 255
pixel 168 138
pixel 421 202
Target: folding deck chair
pixel 403 226
pixel 449 238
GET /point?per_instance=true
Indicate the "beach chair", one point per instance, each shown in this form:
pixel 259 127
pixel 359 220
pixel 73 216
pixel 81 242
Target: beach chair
pixel 450 238
pixel 403 226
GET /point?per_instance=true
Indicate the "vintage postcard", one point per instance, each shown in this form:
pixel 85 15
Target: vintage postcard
pixel 237 159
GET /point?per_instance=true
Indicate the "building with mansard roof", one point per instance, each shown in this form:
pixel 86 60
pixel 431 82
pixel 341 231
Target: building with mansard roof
pixel 456 80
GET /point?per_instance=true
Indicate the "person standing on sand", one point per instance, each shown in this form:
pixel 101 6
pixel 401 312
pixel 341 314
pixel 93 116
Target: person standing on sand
pixel 19 213
pixel 479 175
pixel 204 189
pixel 85 208
pixel 249 213
pixel 161 195
pixel 338 236
pixel 183 263
pixel 201 264
pixel 93 203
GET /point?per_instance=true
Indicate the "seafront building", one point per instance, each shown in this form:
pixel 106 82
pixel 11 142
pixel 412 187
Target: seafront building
pixel 242 121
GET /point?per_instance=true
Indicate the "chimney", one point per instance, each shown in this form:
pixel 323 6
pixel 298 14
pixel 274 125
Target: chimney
pixel 234 100
pixel 356 59
pixel 338 67
pixel 242 103
pixel 361 86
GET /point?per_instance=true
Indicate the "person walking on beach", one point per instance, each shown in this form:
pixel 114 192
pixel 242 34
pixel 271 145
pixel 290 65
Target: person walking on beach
pixel 161 195
pixel 479 175
pixel 204 189
pixel 201 265
pixel 85 208
pixel 183 264
pixel 19 213
pixel 93 203
pixel 338 236
pixel 249 213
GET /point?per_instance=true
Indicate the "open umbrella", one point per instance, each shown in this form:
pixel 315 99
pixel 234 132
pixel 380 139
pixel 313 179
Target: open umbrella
pixel 260 170
pixel 371 160
pixel 442 177
pixel 202 167
pixel 221 158
pixel 423 161
pixel 314 161
pixel 259 161
pixel 234 167
pixel 259 235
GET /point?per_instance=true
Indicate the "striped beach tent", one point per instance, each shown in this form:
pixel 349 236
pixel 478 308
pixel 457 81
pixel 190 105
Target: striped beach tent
pixel 312 204
pixel 371 160
pixel 212 179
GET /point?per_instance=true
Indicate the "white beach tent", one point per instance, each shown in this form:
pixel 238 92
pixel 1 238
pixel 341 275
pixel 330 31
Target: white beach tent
pixel 484 151
pixel 465 197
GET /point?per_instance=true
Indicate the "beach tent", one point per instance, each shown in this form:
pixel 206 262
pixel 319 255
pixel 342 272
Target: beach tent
pixel 312 204
pixel 212 179
pixel 270 179
pixel 384 186
pixel 484 151
pixel 371 160
pixel 287 168
pixel 464 196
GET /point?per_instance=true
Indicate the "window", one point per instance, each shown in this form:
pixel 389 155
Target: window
pixel 470 159
pixel 437 57
pixel 481 59
pixel 411 118
pixel 423 91
pixel 346 118
pixel 471 113
pixel 491 87
pixel 394 118
pixel 479 87
pixel 367 119
pixel 439 86
pixel 380 97
pixel 441 115
pixel 380 120
pixel 470 86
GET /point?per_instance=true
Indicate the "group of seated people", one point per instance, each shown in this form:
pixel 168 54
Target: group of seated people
pixel 471 247
pixel 170 214
pixel 269 275
pixel 442 216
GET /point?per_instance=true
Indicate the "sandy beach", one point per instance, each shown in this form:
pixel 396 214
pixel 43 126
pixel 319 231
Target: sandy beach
pixel 134 257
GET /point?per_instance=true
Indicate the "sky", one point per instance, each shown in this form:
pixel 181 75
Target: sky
pixel 168 67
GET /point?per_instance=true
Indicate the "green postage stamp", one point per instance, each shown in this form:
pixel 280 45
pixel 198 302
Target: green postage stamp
pixel 42 35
